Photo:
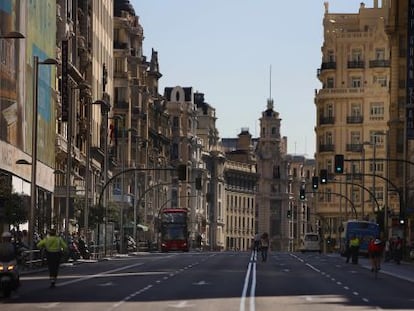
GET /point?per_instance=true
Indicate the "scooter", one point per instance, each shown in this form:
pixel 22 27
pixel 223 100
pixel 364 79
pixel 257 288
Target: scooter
pixel 9 277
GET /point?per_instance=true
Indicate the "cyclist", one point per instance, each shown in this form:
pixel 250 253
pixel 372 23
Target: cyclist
pixel 375 250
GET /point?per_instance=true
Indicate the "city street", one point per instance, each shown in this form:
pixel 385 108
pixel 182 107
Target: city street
pixel 217 281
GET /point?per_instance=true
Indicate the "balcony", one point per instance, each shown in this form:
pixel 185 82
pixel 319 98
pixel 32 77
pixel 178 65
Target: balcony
pixel 356 64
pixel 379 63
pixel 326 147
pixel 120 45
pixel 328 65
pixel 326 120
pixel 354 119
pixel 354 147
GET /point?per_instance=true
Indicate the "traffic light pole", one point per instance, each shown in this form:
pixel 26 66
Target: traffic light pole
pixel 363 187
pixel 342 196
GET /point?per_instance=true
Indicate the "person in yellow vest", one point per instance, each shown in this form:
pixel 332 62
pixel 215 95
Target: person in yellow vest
pixel 54 245
pixel 354 247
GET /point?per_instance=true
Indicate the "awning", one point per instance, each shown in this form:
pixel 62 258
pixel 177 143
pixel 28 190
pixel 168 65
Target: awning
pixel 142 227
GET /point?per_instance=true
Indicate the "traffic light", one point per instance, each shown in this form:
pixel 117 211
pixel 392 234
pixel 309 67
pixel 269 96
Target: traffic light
pixel 315 182
pixel 198 183
pixel 182 172
pixel 289 214
pixel 302 195
pixel 324 176
pixel 339 163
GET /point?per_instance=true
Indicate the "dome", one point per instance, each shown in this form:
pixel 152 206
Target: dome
pixel 123 5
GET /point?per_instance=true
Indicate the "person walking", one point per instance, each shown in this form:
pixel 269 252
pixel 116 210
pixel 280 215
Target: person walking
pixel 256 242
pixel 264 245
pixel 347 250
pixel 54 245
pixel 398 250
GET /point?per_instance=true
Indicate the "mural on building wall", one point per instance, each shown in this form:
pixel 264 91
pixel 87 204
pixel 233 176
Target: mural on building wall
pixel 11 107
pixel 41 29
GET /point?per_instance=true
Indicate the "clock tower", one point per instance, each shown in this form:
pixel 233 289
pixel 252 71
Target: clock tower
pixel 272 194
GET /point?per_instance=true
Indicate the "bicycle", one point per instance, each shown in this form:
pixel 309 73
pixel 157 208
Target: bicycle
pixel 375 250
pixel 376 264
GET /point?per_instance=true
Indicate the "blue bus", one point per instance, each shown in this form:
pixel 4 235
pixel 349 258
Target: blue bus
pixel 364 230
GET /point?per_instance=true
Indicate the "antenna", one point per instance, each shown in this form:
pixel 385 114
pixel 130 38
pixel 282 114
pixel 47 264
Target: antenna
pixel 270 100
pixel 270 82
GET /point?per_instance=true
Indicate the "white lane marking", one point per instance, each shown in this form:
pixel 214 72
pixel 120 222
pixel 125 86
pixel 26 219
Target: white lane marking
pixel 201 283
pixel 313 268
pixel 251 269
pixel 253 289
pixel 105 273
pixel 49 305
pixel 181 304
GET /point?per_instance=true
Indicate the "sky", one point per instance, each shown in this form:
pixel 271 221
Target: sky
pixel 241 52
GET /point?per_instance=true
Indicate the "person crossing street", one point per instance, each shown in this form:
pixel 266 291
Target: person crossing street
pixel 54 245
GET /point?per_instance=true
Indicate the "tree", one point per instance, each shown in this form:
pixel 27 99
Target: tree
pixel 15 209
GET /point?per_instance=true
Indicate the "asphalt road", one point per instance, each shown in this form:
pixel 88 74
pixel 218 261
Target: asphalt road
pixel 214 281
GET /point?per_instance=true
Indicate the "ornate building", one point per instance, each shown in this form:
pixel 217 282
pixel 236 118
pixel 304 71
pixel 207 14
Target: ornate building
pixel 272 201
pixel 240 193
pixel 353 114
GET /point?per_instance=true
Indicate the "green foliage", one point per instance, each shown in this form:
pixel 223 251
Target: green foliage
pixel 15 209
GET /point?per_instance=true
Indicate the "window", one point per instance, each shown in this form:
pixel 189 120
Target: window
pixel 330 83
pixel 355 138
pixel 176 122
pixel 328 137
pixel 381 80
pixel 174 153
pixel 119 65
pixel 377 111
pixel 120 94
pixel 329 110
pixel 356 82
pixel 380 54
pixel 355 110
pixel 331 56
pixel 356 55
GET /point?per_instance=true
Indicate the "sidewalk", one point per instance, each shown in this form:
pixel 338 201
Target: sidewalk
pixel 405 270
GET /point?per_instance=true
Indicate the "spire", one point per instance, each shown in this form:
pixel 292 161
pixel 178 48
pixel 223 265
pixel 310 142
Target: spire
pixel 270 99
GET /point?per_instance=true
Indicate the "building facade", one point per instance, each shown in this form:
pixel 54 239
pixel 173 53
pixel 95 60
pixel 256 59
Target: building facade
pixel 272 201
pixel 240 192
pixel 353 114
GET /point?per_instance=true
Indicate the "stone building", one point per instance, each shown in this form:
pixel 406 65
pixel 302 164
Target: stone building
pixel 272 202
pixel 399 28
pixel 241 178
pixel 353 116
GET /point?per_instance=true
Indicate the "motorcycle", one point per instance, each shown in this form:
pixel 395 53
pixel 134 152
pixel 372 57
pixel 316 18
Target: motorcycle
pixel 9 277
pixel 83 249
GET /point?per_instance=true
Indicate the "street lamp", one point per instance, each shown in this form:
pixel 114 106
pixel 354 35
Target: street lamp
pixel 105 107
pixel 122 156
pixel 12 35
pixel 135 180
pixel 33 192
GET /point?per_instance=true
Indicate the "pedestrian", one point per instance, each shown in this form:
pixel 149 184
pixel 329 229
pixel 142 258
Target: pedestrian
pixel 264 245
pixel 256 242
pixel 54 245
pixel 388 250
pixel 398 250
pixel 354 246
pixel 7 249
pixel 347 250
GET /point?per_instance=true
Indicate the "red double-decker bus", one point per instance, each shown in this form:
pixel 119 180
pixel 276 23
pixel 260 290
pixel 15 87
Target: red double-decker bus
pixel 174 230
